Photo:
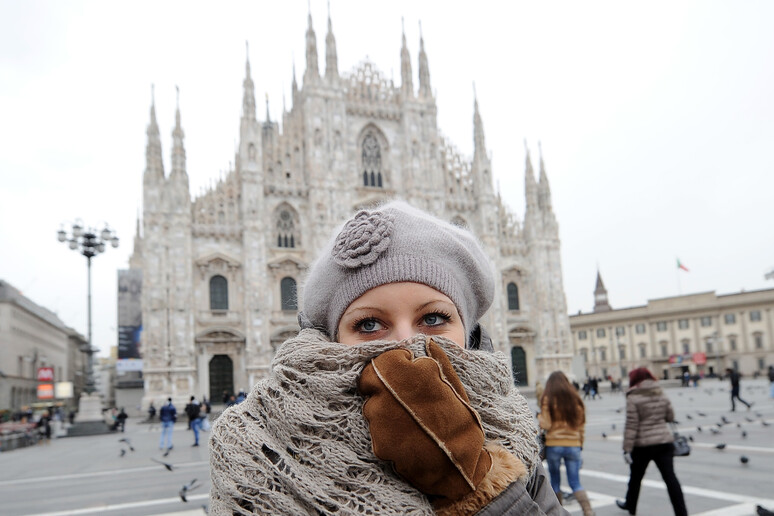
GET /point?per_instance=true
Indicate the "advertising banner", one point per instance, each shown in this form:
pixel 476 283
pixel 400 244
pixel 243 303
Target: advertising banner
pixel 124 365
pixel 45 374
pixel 46 391
pixel 129 313
pixel 63 390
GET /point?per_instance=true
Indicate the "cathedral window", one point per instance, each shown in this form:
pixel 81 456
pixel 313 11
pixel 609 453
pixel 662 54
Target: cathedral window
pixel 513 296
pixel 372 161
pixel 218 293
pixel 288 294
pixel 286 227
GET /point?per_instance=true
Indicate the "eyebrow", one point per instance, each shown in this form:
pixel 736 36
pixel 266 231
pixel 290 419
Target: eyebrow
pixel 381 310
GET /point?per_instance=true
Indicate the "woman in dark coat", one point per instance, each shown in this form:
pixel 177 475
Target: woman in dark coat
pixel 648 438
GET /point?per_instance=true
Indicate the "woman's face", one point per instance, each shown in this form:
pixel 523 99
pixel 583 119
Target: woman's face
pixel 397 311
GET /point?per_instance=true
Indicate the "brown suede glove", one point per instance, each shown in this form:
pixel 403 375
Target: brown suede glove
pixel 421 420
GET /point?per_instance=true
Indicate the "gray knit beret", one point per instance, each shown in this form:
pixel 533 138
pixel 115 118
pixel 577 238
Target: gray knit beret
pixel 393 243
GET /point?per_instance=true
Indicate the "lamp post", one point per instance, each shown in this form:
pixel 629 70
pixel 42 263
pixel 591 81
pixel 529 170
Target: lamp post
pixel 90 243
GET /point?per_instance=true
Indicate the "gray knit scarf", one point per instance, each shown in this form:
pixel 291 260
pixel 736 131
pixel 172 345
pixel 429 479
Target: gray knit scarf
pixel 299 443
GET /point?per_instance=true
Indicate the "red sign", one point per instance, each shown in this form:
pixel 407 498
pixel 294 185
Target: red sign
pixel 45 374
pixel 46 391
pixel 700 358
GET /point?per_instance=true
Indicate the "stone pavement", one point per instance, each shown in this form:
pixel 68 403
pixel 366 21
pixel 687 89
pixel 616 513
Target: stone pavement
pixel 87 475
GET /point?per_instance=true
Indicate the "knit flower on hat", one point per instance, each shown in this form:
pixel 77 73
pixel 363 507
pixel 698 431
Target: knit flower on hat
pixel 363 239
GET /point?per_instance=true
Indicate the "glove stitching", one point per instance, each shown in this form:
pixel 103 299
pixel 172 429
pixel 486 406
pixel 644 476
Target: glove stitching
pixel 421 424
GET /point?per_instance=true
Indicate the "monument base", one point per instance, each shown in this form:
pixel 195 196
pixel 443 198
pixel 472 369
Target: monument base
pixel 89 420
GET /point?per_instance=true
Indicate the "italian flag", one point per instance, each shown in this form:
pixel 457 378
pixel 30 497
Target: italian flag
pixel 681 266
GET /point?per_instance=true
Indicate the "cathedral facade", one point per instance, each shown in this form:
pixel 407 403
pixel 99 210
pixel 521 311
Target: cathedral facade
pixel 223 272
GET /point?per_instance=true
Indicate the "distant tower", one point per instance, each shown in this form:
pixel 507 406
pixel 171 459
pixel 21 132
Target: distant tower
pixel 600 296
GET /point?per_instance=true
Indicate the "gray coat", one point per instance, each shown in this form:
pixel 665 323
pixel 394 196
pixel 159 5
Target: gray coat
pixel 647 412
pixel 537 498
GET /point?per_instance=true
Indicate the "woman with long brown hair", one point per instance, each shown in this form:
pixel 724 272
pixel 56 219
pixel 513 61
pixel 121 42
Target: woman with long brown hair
pixel 563 417
pixel 648 438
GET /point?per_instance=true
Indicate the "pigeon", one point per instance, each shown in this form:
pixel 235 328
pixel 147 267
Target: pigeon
pixel 187 487
pixel 702 414
pixel 725 421
pixel 169 467
pixel 698 428
pixel 762 511
pixel 688 416
pixel 604 435
pixel 744 434
pixel 613 426
pixel 749 419
pixel 690 438
pixel 690 399
pixel 719 425
pixel 123 452
pixel 618 410
pixel 127 441
pixel 758 414
pixel 714 431
pixel 167 452
pixel 739 425
pixel 764 423
pixel 720 446
pixel 743 459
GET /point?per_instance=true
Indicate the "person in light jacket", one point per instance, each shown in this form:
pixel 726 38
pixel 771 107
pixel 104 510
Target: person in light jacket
pixel 648 438
pixel 563 417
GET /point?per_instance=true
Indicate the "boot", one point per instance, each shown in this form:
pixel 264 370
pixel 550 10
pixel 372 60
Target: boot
pixel 559 497
pixel 583 500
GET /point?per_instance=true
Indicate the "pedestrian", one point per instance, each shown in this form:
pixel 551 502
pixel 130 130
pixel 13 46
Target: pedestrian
pixel 121 419
pixel 595 388
pixel 231 401
pixel 539 391
pixel 151 412
pixel 390 312
pixel 194 412
pixel 167 416
pixel 71 417
pixel 734 376
pixel 226 397
pixel 563 417
pixel 648 438
pixel 587 388
pixel 241 396
pixel 44 427
pixel 771 381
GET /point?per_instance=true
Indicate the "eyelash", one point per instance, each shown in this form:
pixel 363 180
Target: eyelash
pixel 357 324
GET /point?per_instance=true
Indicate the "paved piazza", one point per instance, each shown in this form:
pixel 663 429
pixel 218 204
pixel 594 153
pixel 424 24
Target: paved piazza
pixel 86 475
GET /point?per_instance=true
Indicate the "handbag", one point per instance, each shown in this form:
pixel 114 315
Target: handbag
pixel 680 445
pixel 206 426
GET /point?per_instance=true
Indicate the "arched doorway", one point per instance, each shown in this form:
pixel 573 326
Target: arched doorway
pixel 221 376
pixel 519 365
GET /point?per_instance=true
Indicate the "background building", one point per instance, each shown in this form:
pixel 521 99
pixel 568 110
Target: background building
pixel 222 273
pixel 701 333
pixel 32 337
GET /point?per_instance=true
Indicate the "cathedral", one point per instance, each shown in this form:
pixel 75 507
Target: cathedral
pixel 223 272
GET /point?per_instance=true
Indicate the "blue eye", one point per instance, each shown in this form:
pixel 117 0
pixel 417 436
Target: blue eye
pixel 435 319
pixel 368 325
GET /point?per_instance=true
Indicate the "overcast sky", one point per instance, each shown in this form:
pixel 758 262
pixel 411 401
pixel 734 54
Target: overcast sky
pixel 656 121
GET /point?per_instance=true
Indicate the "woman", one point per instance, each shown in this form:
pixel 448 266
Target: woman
pixel 563 417
pixel 390 399
pixel 647 437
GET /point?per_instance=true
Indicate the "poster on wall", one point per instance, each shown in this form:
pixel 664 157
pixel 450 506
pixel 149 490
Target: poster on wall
pixel 129 314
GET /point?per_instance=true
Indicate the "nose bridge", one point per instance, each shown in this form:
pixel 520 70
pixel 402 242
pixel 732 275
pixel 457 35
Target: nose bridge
pixel 404 329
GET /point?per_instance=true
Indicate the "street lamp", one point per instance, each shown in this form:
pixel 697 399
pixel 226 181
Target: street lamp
pixel 90 243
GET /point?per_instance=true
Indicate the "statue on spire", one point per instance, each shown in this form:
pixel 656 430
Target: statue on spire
pixel 425 90
pixel 331 60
